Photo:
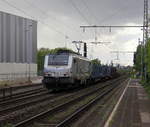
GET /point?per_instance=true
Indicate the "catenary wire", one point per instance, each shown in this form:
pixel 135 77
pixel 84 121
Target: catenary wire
pixel 49 15
pixel 79 12
pixel 22 11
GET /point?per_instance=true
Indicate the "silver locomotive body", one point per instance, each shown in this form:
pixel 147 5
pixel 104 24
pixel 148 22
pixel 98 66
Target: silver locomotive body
pixel 65 70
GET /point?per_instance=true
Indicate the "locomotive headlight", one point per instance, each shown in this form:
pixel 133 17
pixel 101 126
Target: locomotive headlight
pixel 66 74
pixel 47 74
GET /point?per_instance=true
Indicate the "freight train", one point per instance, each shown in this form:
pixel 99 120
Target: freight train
pixel 65 70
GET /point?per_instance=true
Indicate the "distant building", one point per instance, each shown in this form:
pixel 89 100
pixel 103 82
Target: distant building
pixel 18 46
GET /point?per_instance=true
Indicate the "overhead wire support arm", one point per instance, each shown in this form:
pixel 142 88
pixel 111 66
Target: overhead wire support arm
pixel 122 52
pixel 112 26
pixel 118 52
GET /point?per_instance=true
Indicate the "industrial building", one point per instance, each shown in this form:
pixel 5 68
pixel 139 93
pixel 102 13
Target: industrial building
pixel 18 46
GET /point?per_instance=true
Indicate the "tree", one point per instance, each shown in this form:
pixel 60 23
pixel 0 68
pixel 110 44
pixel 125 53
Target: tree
pixel 96 61
pixel 44 51
pixel 147 60
pixel 40 58
pixel 143 51
pixel 137 58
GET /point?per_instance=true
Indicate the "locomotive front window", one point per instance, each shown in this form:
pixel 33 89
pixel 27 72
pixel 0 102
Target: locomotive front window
pixel 58 59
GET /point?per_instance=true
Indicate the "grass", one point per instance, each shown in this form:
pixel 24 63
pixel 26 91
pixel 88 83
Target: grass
pixel 146 87
pixel 4 83
pixel 7 83
pixel 8 125
pixel 64 113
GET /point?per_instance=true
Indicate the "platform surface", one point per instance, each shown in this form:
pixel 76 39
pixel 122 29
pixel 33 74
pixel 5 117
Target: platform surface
pixel 134 108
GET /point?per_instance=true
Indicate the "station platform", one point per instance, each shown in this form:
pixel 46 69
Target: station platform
pixel 18 86
pixel 133 109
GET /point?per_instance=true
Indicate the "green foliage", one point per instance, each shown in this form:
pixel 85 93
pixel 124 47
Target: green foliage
pixel 40 58
pixel 146 85
pixel 8 125
pixel 137 58
pixel 96 61
pixel 44 51
pixel 147 88
pixel 143 51
pixel 147 59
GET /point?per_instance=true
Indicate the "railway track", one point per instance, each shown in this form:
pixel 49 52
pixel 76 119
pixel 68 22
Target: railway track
pixel 96 114
pixel 92 96
pixel 10 92
pixel 103 99
pixel 23 98
pixel 11 106
pixel 22 94
pixel 27 99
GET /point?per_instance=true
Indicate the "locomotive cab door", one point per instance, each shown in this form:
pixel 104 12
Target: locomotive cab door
pixel 74 67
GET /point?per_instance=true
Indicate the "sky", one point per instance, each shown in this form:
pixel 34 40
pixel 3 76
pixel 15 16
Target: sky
pixel 59 24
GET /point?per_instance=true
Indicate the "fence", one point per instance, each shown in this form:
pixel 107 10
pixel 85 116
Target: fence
pixel 15 76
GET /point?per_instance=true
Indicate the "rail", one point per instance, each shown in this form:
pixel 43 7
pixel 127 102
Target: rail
pixel 62 106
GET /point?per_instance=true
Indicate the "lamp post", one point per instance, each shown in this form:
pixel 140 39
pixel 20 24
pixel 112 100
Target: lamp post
pixel 28 53
pixel 141 43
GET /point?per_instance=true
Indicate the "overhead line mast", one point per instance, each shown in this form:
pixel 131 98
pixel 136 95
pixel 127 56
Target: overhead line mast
pixel 145 34
pixel 145 27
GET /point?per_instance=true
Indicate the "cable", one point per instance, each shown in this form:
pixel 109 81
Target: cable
pixel 79 12
pixel 52 17
pixel 20 10
pixel 113 14
pixel 90 11
pixel 34 6
pixel 49 15
pixel 92 15
pixel 17 8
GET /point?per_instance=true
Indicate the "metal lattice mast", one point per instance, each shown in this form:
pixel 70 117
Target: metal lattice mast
pixel 145 21
pixel 145 34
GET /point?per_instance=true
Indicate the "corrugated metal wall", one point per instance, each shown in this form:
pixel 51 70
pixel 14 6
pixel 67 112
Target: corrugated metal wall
pixel 18 39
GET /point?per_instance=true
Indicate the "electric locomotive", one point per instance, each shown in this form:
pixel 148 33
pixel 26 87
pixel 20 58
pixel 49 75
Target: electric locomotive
pixel 63 70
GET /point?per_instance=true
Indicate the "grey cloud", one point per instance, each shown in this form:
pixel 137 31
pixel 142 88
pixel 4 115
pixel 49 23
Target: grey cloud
pixel 60 15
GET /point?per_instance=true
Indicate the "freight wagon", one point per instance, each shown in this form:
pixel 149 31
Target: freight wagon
pixel 65 70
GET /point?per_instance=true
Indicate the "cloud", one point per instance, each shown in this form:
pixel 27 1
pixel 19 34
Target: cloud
pixel 62 19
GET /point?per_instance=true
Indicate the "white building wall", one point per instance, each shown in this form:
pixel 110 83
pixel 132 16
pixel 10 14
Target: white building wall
pixel 12 38
pixel 18 46
pixel 12 71
pixel 0 38
pixel 18 39
pixel 4 38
